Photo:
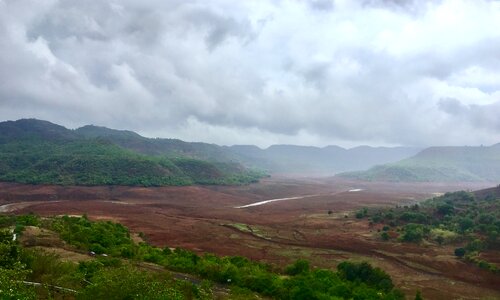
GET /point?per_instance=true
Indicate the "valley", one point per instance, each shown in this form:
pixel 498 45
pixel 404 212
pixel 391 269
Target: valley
pixel 316 222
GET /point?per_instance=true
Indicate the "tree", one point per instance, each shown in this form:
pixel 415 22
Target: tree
pixel 445 209
pixel 413 233
pixel 465 223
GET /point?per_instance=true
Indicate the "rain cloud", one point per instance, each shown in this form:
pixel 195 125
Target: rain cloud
pixel 314 72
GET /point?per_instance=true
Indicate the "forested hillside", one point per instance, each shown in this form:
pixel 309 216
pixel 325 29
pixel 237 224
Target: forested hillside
pixel 171 148
pixel 33 151
pixel 440 164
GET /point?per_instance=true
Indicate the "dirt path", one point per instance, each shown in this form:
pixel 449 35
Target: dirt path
pixel 274 200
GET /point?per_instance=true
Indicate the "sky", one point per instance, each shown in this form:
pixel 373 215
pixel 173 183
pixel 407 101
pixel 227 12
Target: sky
pixel 306 72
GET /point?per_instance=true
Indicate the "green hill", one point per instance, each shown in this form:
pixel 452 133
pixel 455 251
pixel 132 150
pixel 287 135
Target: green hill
pixel 439 164
pixel 158 146
pixel 39 152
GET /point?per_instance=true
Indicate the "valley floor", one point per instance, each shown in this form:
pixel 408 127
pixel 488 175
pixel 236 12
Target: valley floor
pixel 207 219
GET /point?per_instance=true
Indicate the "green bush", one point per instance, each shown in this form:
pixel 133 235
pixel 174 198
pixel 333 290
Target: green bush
pixel 413 233
pixel 298 267
pixel 365 273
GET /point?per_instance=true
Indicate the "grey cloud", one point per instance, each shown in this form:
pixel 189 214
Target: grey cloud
pixel 219 28
pixel 452 106
pixel 303 74
pixel 479 116
pixel 322 5
pixel 413 7
pixel 487 116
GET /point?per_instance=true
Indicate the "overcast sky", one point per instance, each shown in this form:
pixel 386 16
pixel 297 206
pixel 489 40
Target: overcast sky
pixel 314 72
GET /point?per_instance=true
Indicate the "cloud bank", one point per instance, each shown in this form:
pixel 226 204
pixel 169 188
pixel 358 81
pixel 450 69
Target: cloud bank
pixel 258 72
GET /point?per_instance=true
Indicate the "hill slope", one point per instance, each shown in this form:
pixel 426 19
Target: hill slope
pixel 440 164
pixel 34 151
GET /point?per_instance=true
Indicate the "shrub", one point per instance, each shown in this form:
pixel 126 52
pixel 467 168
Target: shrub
pixel 298 267
pixel 364 272
pixel 460 252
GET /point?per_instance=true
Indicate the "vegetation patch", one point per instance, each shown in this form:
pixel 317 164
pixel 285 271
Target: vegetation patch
pixel 470 222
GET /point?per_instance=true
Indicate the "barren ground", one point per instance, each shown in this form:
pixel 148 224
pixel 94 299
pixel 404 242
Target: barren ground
pixel 204 219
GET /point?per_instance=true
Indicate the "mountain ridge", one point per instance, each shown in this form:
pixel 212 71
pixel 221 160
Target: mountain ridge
pixel 280 158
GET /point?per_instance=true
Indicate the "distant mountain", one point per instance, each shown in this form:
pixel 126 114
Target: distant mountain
pixel 34 151
pixel 275 159
pixel 223 160
pixel 286 159
pixel 321 161
pixel 439 164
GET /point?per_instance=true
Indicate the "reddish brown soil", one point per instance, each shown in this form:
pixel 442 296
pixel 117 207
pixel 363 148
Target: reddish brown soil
pixel 204 219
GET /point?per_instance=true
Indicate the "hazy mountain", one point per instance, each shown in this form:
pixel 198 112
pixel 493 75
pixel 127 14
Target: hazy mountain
pixel 440 164
pixel 313 160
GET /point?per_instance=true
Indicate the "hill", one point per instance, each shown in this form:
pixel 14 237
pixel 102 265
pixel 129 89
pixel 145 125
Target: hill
pixel 289 159
pixel 39 152
pixel 319 161
pixel 439 164
pixel 158 146
pixel 218 161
